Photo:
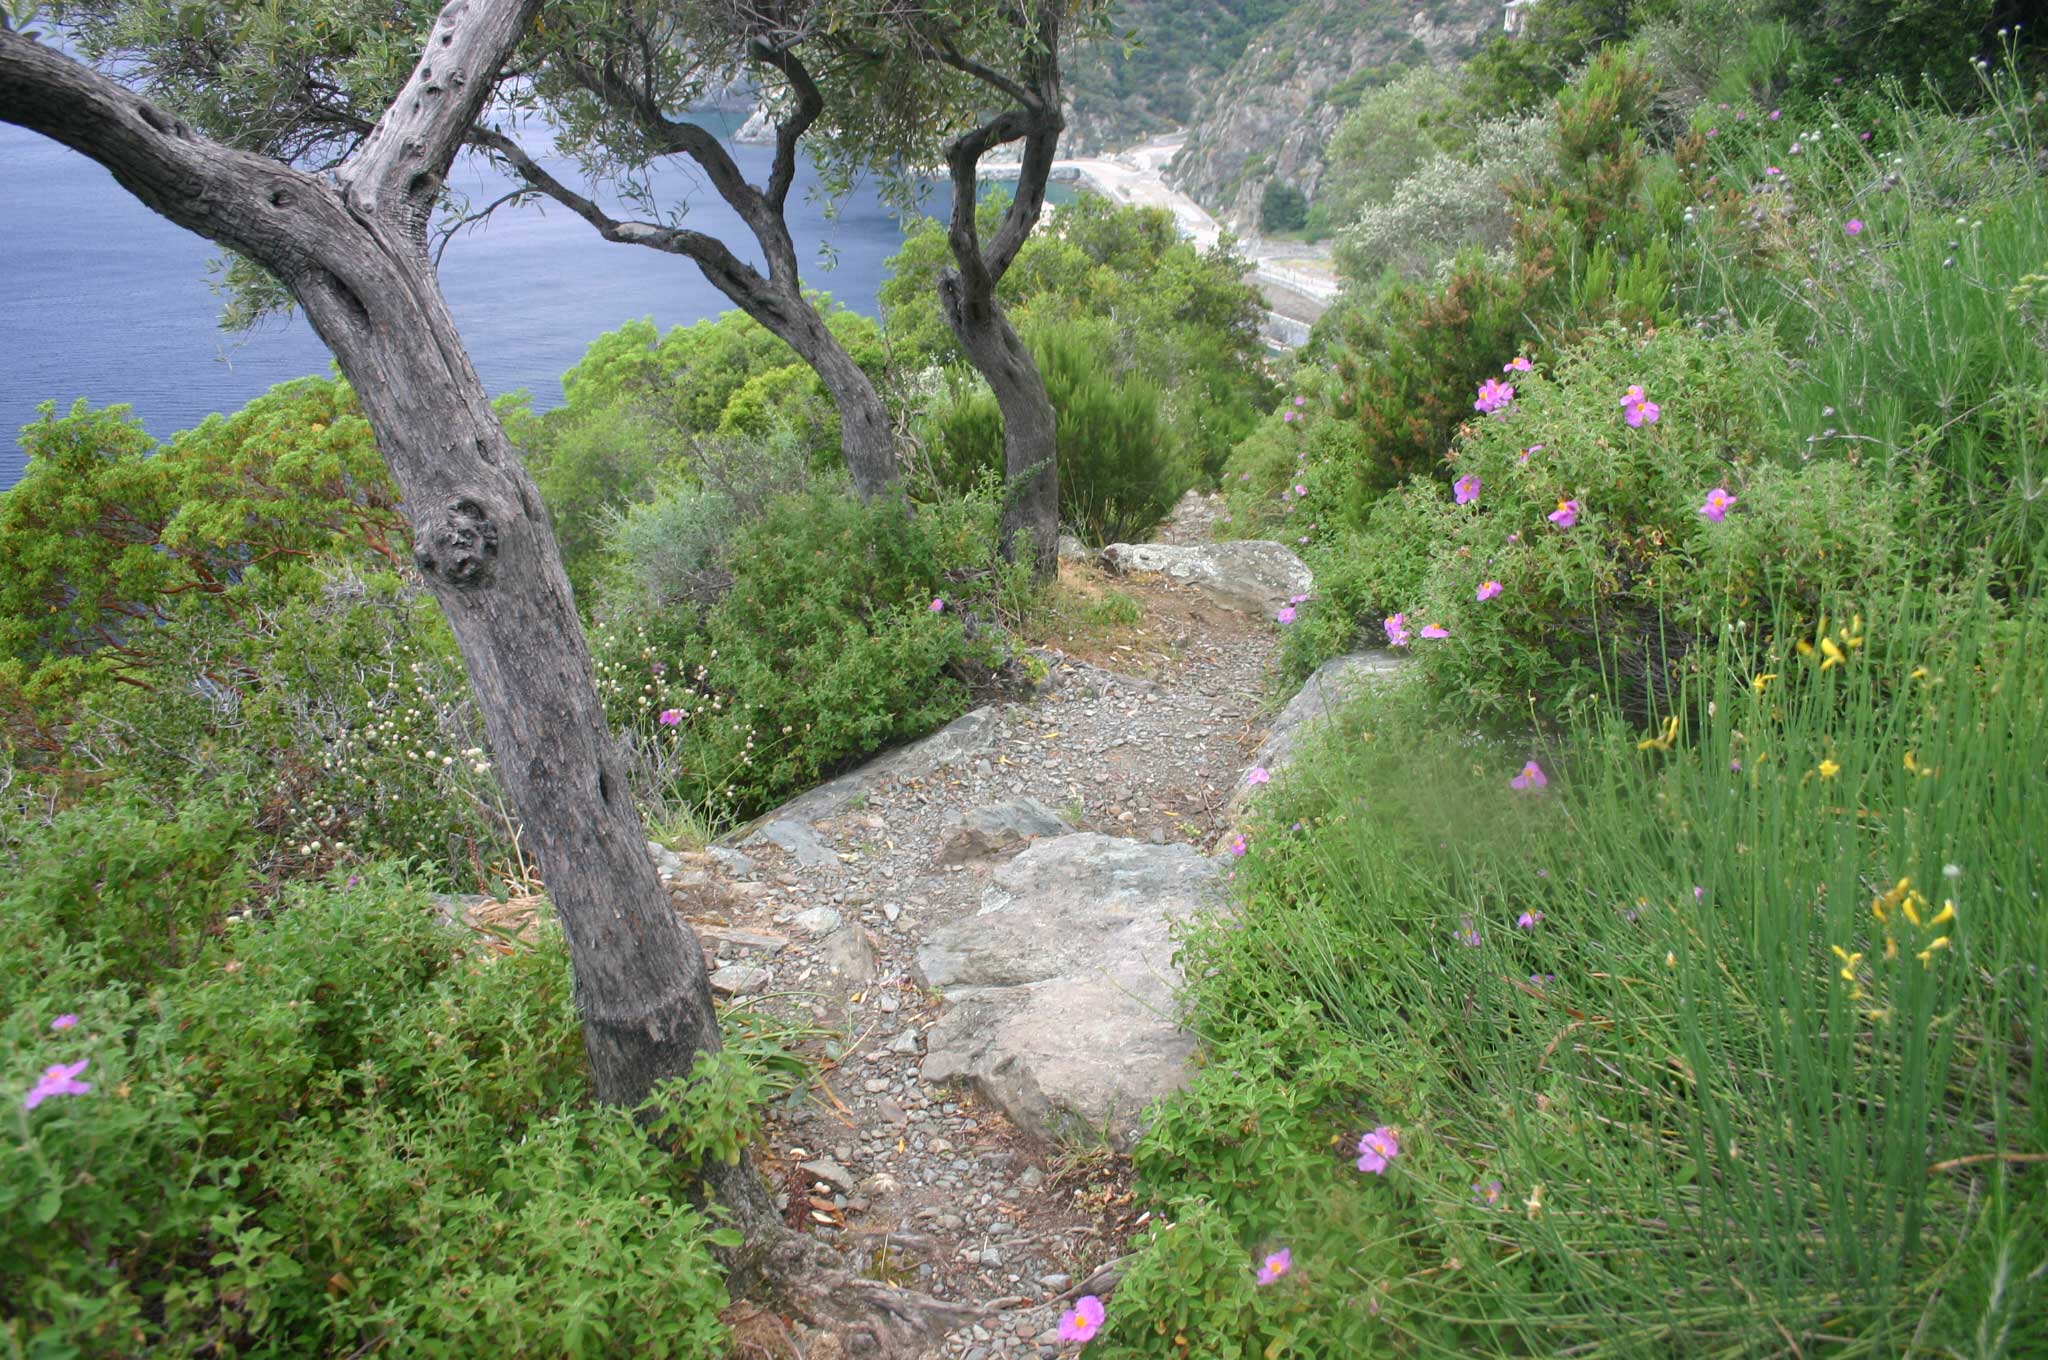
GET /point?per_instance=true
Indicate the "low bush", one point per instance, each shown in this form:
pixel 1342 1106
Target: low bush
pixel 847 627
pixel 331 1130
pixel 1119 473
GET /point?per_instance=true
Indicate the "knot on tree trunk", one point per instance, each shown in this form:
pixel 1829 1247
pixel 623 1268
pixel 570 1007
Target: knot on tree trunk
pixel 457 543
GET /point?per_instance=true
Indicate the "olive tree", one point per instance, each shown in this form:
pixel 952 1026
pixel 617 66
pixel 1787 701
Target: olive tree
pixel 351 247
pixel 607 84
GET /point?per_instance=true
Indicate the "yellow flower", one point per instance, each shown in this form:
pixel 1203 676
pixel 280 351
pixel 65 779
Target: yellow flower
pixel 1828 769
pixel 1912 900
pixel 1805 648
pixel 1926 955
pixel 1849 962
pixel 1661 742
pixel 1760 681
pixel 1913 766
pixel 1852 636
pixel 1891 948
pixel 1884 902
pixel 1945 915
pixel 1835 655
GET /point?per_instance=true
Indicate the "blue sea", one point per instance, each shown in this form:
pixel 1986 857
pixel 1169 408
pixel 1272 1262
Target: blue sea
pixel 107 301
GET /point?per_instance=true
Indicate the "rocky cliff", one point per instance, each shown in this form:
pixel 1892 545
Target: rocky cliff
pixel 1272 113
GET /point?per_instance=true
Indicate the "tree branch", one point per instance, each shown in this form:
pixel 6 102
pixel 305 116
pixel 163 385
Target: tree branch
pixel 400 166
pixel 810 103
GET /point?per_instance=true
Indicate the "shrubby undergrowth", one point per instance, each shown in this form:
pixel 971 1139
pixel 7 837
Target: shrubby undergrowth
pixel 338 1126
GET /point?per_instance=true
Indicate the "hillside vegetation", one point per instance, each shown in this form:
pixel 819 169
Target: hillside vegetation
pixel 1656 970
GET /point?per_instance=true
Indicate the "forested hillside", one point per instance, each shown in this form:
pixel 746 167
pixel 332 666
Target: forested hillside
pixel 1270 117
pixel 1154 71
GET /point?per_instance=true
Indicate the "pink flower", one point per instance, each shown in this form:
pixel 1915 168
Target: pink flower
pixel 1287 416
pixel 1467 488
pixel 1566 514
pixel 1378 1148
pixel 58 1080
pixel 938 606
pixel 1487 1192
pixel 1259 775
pixel 1528 452
pixel 1531 777
pixel 1718 501
pixel 1397 630
pixel 1518 364
pixel 1301 488
pixel 1301 401
pixel 1494 395
pixel 1286 614
pixel 1638 409
pixel 65 1021
pixel 1854 226
pixel 1773 171
pixel 1468 934
pixel 1435 631
pixel 1083 1320
pixel 670 717
pixel 1776 114
pixel 1299 599
pixel 1488 590
pixel 1238 846
pixel 1529 920
pixel 1276 1265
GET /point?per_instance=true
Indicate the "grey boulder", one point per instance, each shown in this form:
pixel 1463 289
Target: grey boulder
pixel 998 829
pixel 1254 575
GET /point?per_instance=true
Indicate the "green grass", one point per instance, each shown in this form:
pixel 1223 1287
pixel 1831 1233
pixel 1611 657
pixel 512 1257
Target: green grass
pixel 1708 1140
pixel 1914 339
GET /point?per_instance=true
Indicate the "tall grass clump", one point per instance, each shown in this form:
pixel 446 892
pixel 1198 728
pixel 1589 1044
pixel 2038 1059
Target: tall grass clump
pixel 1888 247
pixel 1717 1035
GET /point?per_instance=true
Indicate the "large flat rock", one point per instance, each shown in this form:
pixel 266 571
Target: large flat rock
pixel 1059 993
pixel 1255 575
pixel 789 827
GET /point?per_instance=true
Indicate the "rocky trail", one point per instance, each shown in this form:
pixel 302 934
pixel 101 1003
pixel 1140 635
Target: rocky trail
pixel 976 931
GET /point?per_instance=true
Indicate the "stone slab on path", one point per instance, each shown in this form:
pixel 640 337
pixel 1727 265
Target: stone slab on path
pixel 1059 993
pixel 788 828
pixel 1254 575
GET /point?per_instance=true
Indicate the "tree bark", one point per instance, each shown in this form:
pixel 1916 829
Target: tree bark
pixel 352 249
pixel 967 292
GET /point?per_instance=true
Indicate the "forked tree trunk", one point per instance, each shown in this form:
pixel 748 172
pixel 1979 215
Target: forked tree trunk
pixel 967 292
pixel 352 251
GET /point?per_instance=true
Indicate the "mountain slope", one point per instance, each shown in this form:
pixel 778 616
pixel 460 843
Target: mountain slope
pixel 1271 114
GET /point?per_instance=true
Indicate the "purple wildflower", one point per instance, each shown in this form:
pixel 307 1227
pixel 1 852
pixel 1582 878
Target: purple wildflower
pixel 1531 777
pixel 1467 488
pixel 1378 1148
pixel 58 1080
pixel 1083 1320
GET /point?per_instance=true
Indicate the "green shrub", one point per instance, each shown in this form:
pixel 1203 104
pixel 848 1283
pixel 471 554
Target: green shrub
pixel 1282 207
pixel 1407 367
pixel 1613 607
pixel 1118 472
pixel 825 649
pixel 324 1129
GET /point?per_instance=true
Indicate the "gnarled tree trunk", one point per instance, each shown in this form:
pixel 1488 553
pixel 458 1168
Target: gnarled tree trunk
pixel 967 292
pixel 352 249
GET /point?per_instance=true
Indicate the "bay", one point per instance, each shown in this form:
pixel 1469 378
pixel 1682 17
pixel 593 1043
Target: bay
pixel 108 301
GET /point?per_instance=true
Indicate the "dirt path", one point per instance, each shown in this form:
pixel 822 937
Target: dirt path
pixel 1142 731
